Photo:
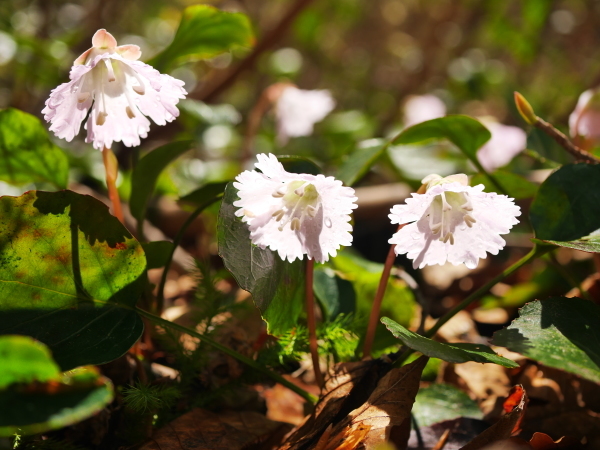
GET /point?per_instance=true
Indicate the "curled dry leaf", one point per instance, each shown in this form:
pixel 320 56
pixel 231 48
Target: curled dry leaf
pixel 504 428
pixel 203 430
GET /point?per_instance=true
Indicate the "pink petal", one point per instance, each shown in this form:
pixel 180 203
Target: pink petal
pixel 130 52
pixel 506 143
pixel 103 39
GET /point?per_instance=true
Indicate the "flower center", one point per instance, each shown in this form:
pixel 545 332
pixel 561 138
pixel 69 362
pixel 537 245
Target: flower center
pixel 299 202
pixel 448 210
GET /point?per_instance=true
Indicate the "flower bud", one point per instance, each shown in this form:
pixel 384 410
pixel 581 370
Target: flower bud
pixel 525 109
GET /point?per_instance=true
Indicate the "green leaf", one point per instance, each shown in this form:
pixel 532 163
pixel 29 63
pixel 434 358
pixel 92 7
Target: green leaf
pixel 455 353
pixel 359 162
pixel 558 332
pixel 440 402
pixel 205 32
pixel 277 286
pixel 70 274
pixel 147 171
pixel 515 185
pixel 25 360
pixel 335 294
pixel 298 164
pixel 27 155
pixel 567 207
pixel 157 253
pixel 205 193
pixel 463 131
pixel 40 407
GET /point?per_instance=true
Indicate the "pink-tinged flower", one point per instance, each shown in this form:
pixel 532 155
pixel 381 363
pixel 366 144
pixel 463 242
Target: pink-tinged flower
pixel 121 92
pixel 585 119
pixel 420 108
pixel 294 214
pixel 506 143
pixel 297 111
pixel 452 222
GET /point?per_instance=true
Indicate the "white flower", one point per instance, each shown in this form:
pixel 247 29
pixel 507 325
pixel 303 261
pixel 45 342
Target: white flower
pixel 297 111
pixel 121 92
pixel 294 214
pixel 420 108
pixel 452 222
pixel 585 119
pixel 506 143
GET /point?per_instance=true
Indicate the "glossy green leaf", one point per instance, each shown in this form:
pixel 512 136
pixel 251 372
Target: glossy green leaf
pixel 558 332
pixel 147 171
pixel 298 164
pixel 360 161
pixel 439 402
pixel 515 185
pixel 465 132
pixel 157 253
pixel 335 294
pixel 455 353
pixel 205 32
pixel 567 207
pixel 204 194
pixel 42 407
pixel 25 360
pixel 27 153
pixel 70 274
pixel 277 286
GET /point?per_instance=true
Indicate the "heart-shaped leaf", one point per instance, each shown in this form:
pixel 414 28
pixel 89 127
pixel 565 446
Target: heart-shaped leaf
pixel 361 160
pixel 70 275
pixel 558 332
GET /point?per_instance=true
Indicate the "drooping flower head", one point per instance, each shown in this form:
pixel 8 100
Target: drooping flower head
pixel 294 214
pixel 506 143
pixel 420 108
pixel 297 111
pixel 120 91
pixel 585 119
pixel 452 222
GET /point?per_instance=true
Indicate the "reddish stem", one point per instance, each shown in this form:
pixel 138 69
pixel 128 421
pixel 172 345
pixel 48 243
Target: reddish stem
pixel 312 322
pixel 112 170
pixel 376 308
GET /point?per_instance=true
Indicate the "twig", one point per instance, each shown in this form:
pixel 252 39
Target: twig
pixel 270 39
pixel 564 142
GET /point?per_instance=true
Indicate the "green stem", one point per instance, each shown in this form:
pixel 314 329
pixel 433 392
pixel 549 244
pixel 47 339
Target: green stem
pixel 249 362
pixel 534 253
pixel 160 296
pixel 491 177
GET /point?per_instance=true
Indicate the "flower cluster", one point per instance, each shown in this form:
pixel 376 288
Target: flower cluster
pixel 120 91
pixel 452 222
pixel 294 214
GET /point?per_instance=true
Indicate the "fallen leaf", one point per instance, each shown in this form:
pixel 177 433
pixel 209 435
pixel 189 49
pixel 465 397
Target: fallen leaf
pixel 504 427
pixel 514 399
pixel 203 430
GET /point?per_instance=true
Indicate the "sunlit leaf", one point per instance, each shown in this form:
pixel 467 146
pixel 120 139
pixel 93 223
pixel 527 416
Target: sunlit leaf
pixel 205 32
pixel 41 407
pixel 25 360
pixel 558 332
pixel 70 274
pixel 147 171
pixel 277 286
pixel 360 161
pixel 566 209
pixel 455 352
pixel 27 153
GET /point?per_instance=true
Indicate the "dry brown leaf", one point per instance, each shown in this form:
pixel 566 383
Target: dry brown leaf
pixel 388 407
pixel 487 382
pixel 503 428
pixel 348 387
pixel 203 430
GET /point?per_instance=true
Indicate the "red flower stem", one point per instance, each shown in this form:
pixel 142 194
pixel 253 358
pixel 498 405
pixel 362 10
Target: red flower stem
pixel 112 170
pixel 312 322
pixel 376 308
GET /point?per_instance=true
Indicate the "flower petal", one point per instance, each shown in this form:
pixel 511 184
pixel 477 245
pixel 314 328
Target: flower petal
pixel 103 39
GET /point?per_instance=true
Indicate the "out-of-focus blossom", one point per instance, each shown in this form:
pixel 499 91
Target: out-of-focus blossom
pixel 294 214
pixel 585 119
pixel 297 111
pixel 420 108
pixel 506 143
pixel 120 91
pixel 452 222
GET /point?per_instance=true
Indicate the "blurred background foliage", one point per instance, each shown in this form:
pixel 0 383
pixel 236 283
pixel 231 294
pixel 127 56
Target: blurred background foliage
pixel 372 55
